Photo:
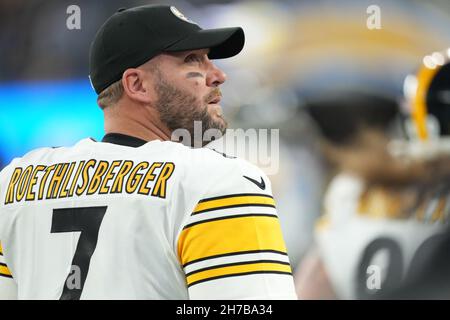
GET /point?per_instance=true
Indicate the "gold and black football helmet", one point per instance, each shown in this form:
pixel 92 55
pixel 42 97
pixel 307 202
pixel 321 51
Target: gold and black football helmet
pixel 427 96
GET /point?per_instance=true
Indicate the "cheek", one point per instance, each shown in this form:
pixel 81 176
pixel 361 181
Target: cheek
pixel 195 82
pixel 196 87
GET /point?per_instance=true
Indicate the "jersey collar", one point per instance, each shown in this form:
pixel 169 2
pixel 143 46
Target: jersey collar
pixel 123 140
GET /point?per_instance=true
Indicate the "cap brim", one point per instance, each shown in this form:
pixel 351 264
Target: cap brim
pixel 223 43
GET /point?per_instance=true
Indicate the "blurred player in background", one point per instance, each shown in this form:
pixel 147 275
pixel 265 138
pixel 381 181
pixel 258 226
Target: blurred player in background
pixel 136 216
pixel 387 208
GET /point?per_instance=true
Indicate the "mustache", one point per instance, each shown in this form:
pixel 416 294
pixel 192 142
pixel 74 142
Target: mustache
pixel 213 94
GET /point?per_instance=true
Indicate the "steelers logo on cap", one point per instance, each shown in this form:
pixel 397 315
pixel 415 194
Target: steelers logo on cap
pixel 179 15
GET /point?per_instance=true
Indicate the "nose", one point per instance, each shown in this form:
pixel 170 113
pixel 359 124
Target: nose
pixel 215 76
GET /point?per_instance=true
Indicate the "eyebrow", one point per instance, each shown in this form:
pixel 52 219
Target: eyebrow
pixel 186 53
pixel 194 75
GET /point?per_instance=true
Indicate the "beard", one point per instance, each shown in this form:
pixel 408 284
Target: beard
pixel 179 109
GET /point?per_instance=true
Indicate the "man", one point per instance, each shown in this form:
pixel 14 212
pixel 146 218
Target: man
pixel 137 216
pixel 387 210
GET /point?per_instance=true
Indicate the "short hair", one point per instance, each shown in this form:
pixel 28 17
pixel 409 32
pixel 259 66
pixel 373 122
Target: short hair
pixel 111 95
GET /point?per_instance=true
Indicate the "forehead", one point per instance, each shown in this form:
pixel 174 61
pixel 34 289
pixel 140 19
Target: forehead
pixel 173 58
pixel 182 54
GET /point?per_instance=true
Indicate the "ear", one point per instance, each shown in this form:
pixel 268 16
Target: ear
pixel 137 86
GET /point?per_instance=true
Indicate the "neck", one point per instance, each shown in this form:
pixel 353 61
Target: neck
pixel 136 121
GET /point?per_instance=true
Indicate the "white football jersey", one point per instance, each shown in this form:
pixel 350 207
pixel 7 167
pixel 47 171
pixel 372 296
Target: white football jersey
pixel 158 220
pixel 365 246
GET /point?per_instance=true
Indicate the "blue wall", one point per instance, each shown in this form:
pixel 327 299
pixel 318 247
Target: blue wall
pixel 50 113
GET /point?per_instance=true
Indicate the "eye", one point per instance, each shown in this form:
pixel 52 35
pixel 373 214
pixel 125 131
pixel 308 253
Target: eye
pixel 193 58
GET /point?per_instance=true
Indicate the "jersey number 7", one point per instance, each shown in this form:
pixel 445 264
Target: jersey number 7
pixel 88 221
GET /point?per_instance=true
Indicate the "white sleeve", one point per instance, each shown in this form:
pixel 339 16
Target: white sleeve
pixel 231 245
pixel 8 287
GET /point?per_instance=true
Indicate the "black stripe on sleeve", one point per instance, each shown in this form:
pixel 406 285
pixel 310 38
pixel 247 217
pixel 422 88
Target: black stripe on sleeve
pixel 236 195
pixel 237 264
pixel 5 275
pixel 234 254
pixel 235 206
pixel 239 274
pixel 231 217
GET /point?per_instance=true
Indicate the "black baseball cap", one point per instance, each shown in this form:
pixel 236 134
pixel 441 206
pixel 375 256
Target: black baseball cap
pixel 131 37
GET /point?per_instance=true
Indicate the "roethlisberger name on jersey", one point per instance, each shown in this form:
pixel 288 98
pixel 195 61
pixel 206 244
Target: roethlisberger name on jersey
pixel 64 180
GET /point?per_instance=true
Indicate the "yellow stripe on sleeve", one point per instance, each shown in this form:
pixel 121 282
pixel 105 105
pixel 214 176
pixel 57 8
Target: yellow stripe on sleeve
pixel 237 270
pixel 4 271
pixel 230 235
pixel 234 201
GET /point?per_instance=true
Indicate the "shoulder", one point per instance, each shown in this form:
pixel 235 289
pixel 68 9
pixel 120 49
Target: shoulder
pixel 41 155
pixel 234 172
pixel 27 159
pixel 208 175
pixel 210 163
